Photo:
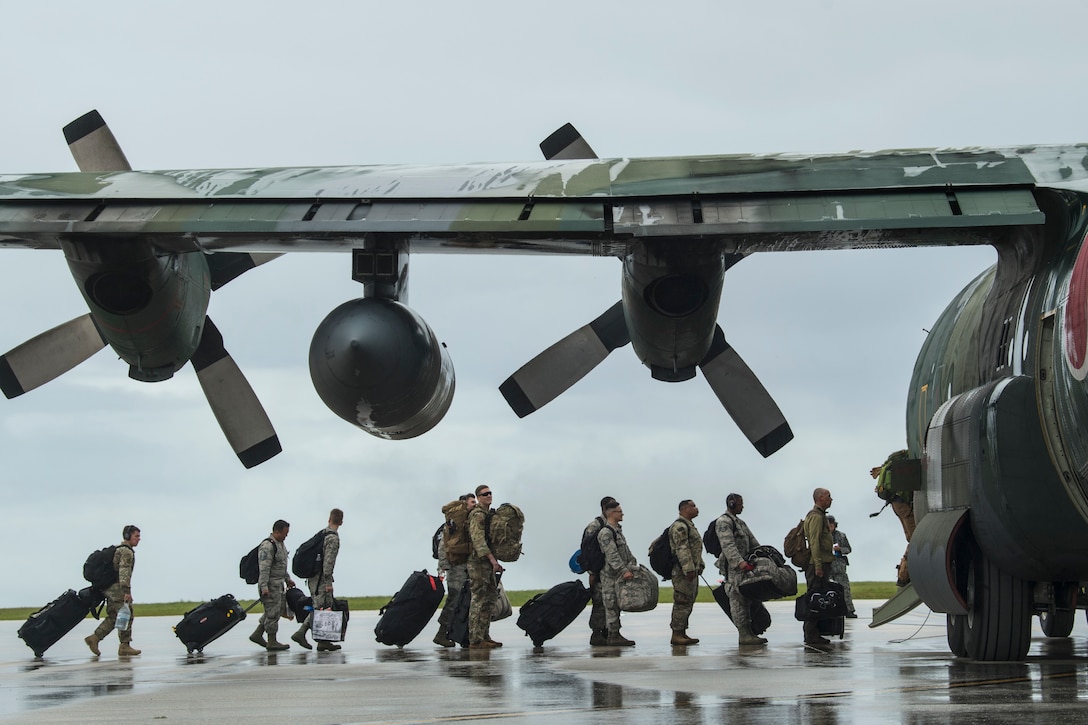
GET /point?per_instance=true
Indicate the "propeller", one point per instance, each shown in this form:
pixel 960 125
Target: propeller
pixel 552 372
pixel 49 355
pixel 566 143
pixel 230 396
pixel 745 399
pixel 232 400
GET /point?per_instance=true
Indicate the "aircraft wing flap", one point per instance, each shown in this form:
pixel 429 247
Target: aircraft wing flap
pixel 827 212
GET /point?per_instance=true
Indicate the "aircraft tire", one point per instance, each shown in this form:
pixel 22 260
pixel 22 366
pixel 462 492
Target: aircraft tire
pixel 999 614
pixel 956 629
pixel 1057 624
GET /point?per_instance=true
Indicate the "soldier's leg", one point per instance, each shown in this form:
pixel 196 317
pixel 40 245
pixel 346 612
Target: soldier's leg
pixel 738 608
pixel 273 610
pixel 683 599
pixel 114 600
pixel 484 591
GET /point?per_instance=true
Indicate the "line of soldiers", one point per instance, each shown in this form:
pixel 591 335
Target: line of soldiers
pixel 274 581
pixel 737 542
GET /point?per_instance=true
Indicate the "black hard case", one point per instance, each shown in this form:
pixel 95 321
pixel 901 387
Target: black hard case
pixel 208 622
pixel 547 614
pixel 410 609
pixel 46 626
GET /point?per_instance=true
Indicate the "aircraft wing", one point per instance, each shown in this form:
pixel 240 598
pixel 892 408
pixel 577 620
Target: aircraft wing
pixel 571 206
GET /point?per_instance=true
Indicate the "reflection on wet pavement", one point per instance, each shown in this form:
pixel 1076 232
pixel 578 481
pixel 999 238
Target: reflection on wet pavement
pixel 900 673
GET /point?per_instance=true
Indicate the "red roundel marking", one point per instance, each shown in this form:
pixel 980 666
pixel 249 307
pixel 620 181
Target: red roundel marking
pixel 1076 315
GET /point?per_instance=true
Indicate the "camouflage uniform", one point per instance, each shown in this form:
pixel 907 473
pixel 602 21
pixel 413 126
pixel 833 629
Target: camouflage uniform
pixel 737 542
pixel 324 599
pixel 456 576
pixel 618 560
pixel 272 568
pixel 481 576
pixel 839 564
pixel 597 622
pixel 687 548
pixel 124 559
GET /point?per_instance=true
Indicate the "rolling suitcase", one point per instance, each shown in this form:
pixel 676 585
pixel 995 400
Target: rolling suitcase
pixel 826 603
pixel 410 609
pixel 547 614
pixel 209 621
pixel 46 626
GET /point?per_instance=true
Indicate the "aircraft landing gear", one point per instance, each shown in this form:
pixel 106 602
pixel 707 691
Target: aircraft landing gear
pixel 956 627
pixel 998 620
pixel 1059 623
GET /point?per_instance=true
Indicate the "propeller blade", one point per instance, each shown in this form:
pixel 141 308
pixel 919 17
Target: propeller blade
pixel 566 143
pixel 93 145
pixel 745 399
pixel 49 355
pixel 235 405
pixel 226 266
pixel 547 375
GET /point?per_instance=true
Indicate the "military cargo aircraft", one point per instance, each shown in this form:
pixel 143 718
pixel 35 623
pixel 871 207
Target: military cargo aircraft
pixel 996 399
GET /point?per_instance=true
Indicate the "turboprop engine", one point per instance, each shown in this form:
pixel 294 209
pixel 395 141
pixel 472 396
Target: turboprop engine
pixel 377 364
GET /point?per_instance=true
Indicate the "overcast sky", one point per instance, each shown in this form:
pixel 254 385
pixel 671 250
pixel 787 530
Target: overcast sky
pixel 832 335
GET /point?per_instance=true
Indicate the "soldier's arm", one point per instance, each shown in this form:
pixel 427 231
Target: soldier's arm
pixel 124 559
pixel 844 545
pixel 812 533
pixel 265 552
pixel 477 534
pixel 328 559
pixel 678 542
pixel 727 536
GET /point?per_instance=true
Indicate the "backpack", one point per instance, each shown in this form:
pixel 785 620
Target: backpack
pixel 590 556
pixel 503 528
pixel 711 542
pixel 249 567
pixel 306 562
pixel 795 546
pixel 661 557
pixel 458 542
pixel 899 474
pixel 436 539
pixel 98 569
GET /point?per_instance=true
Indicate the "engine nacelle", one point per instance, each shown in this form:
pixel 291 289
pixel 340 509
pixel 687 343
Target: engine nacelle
pixel 377 364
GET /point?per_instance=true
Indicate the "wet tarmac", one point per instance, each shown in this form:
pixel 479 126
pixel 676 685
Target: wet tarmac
pixel 899 673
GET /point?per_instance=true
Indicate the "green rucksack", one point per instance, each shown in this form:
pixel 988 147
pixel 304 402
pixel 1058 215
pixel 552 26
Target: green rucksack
pixel 899 474
pixel 504 527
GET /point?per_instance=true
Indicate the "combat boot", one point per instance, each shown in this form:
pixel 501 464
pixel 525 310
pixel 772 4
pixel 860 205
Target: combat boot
pixel 92 642
pixel 746 637
pixel 127 650
pixel 599 638
pixel 275 646
pixel 615 639
pixel 325 646
pixel 300 637
pixel 442 640
pixel 257 637
pixel 680 638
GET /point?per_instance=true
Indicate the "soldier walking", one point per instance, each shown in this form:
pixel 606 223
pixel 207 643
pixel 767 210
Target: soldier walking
pixel 272 584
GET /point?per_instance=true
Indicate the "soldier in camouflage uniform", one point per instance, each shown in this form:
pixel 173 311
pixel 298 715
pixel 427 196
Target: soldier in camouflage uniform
pixel 456 574
pixel 619 563
pixel 118 593
pixel 598 626
pixel 687 550
pixel 321 585
pixel 272 583
pixel 737 542
pixel 482 568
